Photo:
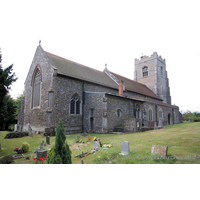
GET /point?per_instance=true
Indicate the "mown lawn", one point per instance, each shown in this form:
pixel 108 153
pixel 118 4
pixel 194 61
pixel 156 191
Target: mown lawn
pixel 183 141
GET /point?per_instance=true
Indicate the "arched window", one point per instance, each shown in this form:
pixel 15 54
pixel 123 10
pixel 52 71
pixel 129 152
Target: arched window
pixel 36 84
pixel 150 115
pixel 161 71
pixel 75 105
pixel 145 71
pixel 137 112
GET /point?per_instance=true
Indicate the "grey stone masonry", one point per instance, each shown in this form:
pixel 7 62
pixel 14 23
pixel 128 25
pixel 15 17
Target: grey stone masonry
pixel 156 78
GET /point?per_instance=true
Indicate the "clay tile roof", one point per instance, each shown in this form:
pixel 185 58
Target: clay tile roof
pixel 75 70
pixel 137 87
pixel 79 71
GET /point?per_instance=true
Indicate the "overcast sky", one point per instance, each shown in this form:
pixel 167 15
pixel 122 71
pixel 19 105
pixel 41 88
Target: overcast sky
pixel 114 32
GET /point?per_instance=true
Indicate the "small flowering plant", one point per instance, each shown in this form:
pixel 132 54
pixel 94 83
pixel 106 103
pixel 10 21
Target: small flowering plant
pixel 18 150
pixel 40 161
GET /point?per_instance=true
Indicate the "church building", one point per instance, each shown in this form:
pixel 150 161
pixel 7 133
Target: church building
pixel 90 100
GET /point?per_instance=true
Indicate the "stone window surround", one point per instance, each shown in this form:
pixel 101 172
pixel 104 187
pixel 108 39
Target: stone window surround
pixel 119 113
pixel 137 108
pixel 37 68
pixel 150 114
pixel 162 71
pixel 145 71
pixel 80 105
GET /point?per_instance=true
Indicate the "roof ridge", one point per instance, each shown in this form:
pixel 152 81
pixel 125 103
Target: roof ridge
pixel 74 62
pixel 128 79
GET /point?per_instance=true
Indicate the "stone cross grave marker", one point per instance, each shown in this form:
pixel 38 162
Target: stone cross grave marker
pixel 96 146
pixel 124 148
pixel 159 150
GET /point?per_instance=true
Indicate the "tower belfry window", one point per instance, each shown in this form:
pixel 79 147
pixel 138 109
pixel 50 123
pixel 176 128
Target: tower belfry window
pixel 161 71
pixel 145 71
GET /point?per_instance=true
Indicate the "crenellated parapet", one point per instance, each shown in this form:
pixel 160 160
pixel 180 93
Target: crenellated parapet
pixel 147 58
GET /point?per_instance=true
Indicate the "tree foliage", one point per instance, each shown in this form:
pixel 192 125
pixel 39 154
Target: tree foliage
pixel 189 116
pixel 62 153
pixel 18 105
pixel 6 79
pixel 7 112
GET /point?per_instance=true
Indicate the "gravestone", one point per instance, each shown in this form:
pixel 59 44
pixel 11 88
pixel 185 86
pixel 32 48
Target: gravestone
pixel 155 126
pixel 159 150
pixel 112 144
pixel 124 148
pixel 96 146
pixel 160 124
pixel 41 152
pixel 15 129
pixel 0 146
pixel 47 139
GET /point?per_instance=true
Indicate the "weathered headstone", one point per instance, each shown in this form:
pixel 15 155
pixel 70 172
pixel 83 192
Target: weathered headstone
pixel 159 150
pixel 160 124
pixel 15 129
pixel 124 148
pixel 155 126
pixel 96 146
pixel 112 144
pixel 47 139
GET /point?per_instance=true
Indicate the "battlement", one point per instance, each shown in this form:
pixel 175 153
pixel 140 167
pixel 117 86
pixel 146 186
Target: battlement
pixel 147 58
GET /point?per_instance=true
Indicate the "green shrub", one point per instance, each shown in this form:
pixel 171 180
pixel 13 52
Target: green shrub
pixel 7 159
pixel 196 119
pixel 50 154
pixel 16 135
pixel 25 147
pixel 62 153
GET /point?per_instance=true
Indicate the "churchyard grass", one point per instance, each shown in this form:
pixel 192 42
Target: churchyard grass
pixel 182 140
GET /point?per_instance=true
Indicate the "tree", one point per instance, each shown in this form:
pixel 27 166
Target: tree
pixel 18 105
pixel 7 112
pixel 6 79
pixel 62 153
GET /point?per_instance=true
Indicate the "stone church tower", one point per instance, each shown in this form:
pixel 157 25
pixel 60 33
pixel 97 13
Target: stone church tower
pixel 151 71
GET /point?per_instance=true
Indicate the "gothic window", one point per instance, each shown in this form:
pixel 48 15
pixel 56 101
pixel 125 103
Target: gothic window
pixel 161 71
pixel 137 112
pixel 36 89
pixel 150 115
pixel 119 113
pixel 75 105
pixel 145 71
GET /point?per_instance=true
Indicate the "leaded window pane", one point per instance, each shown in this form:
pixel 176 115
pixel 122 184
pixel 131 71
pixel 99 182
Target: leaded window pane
pixel 72 110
